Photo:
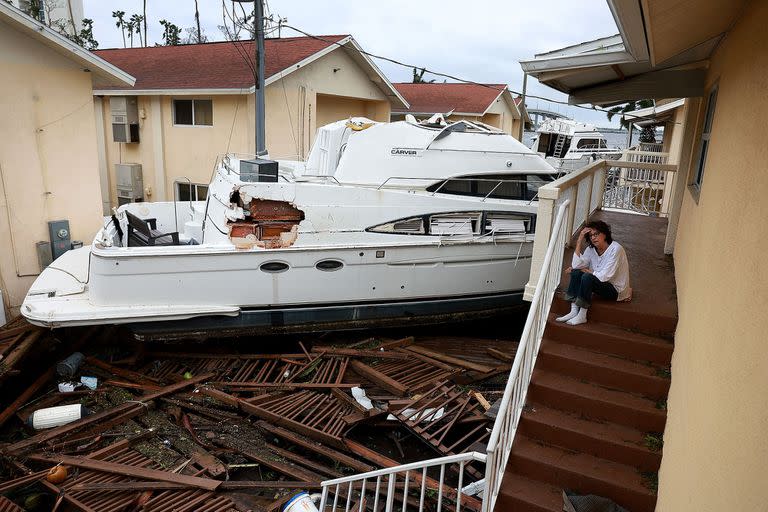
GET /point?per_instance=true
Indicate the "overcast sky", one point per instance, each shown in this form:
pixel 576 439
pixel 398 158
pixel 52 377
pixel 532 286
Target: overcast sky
pixel 479 40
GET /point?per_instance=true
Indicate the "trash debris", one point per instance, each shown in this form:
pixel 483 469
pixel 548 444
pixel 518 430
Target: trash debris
pixel 68 367
pixel 120 428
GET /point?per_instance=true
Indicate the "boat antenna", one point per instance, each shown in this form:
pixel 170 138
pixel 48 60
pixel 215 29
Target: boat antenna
pixel 258 34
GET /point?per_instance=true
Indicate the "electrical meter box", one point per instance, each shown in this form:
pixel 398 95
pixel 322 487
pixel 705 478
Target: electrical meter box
pixel 61 240
pixel 258 169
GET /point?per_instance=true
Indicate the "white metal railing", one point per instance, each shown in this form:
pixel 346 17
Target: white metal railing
pixel 409 485
pixel 513 401
pixel 637 186
pixel 654 147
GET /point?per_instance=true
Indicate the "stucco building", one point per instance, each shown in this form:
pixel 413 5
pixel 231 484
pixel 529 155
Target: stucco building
pixel 491 104
pixel 714 55
pixel 48 155
pixel 195 102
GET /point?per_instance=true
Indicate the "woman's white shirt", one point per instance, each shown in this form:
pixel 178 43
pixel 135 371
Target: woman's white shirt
pixel 612 267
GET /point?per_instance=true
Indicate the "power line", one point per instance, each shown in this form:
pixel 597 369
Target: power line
pixel 453 77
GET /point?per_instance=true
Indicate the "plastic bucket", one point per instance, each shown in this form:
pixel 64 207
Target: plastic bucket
pixel 300 503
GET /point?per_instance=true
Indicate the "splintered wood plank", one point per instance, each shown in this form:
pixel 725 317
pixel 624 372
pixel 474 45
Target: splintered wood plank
pixel 315 415
pixel 318 448
pixel 128 470
pixel 379 378
pixel 450 359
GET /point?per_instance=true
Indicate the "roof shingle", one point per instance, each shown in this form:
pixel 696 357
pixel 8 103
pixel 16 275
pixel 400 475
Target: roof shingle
pixel 211 65
pixel 444 97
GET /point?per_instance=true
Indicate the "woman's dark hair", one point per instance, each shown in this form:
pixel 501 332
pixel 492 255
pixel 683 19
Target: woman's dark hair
pixel 601 227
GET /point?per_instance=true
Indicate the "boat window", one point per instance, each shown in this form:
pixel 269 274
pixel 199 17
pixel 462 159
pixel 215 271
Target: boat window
pixel 534 181
pixel 507 223
pixel 329 265
pixel 454 224
pixel 412 226
pixel 274 267
pixel 499 186
pixel 589 144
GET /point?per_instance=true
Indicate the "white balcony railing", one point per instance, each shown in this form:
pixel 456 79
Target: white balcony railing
pixel 408 486
pixel 513 401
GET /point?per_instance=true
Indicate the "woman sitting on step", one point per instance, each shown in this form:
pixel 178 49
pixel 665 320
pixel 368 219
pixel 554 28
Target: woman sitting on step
pixel 599 266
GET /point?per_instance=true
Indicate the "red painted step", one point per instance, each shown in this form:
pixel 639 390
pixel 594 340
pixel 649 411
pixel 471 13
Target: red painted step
pixel 610 339
pixel 606 440
pixel 520 494
pixel 582 473
pixel 603 369
pixel 623 315
pixel 596 402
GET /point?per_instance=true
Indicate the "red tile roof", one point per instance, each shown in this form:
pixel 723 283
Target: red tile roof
pixel 444 97
pixel 210 65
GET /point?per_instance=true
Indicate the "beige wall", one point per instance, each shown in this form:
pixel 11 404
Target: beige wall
pixel 295 106
pixel 48 156
pixel 715 451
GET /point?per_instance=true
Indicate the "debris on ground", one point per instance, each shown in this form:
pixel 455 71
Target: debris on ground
pixel 93 420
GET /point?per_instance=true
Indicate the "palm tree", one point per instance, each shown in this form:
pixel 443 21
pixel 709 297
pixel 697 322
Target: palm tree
pixel 135 22
pixel 121 24
pixel 630 106
pixel 418 77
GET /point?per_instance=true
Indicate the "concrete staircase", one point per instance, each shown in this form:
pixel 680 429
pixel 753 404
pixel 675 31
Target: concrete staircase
pixel 595 412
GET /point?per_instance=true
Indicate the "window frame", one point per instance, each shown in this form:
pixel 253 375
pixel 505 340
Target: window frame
pixel 186 186
pixel 705 138
pixel 194 123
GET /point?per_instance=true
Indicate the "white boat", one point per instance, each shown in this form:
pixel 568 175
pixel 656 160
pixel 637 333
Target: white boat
pixel 383 222
pixel 568 145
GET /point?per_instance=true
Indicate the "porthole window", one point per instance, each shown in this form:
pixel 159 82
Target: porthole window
pixel 274 267
pixel 329 265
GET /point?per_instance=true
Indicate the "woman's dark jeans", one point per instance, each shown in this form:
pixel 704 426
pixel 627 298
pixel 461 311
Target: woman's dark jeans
pixel 583 285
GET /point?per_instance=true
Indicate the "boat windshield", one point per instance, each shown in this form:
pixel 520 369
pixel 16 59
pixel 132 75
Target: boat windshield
pixel 501 186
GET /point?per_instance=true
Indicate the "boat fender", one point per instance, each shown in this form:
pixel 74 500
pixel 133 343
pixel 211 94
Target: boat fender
pixel 56 416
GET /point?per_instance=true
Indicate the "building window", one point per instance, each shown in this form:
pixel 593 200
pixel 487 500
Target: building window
pixel 193 192
pixel 706 133
pixel 193 112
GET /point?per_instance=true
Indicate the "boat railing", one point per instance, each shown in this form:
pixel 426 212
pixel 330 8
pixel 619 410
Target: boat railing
pixel 413 486
pixel 638 186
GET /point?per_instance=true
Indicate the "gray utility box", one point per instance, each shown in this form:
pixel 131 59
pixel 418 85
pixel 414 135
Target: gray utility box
pixel 124 111
pixel 130 183
pixel 264 171
pixel 61 240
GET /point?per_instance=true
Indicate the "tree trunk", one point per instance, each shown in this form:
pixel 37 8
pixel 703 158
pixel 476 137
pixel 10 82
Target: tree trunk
pixel 145 23
pixel 197 21
pixel 72 18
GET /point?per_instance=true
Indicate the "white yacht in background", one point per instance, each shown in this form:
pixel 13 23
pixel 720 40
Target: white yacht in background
pixel 568 145
pixel 384 222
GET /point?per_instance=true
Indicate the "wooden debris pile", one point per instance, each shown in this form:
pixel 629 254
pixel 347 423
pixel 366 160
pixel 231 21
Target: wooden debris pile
pixel 223 431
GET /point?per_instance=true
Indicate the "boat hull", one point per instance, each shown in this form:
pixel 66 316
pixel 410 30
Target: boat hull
pixel 279 320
